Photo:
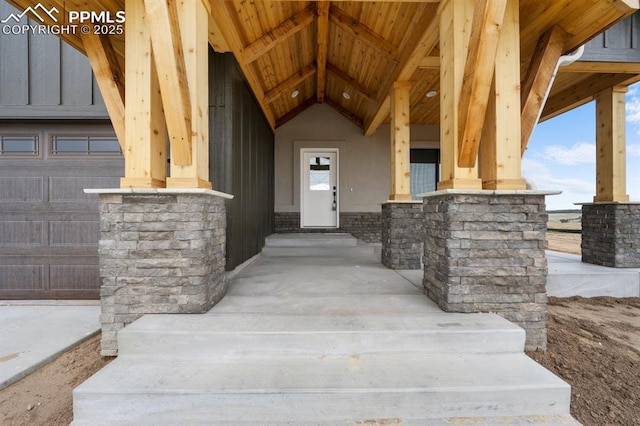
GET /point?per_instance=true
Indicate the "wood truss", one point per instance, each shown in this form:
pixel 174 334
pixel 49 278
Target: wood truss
pixel 352 55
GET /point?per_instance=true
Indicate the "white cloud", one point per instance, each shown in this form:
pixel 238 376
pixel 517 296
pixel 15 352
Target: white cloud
pixel 579 153
pixel 633 150
pixel 633 109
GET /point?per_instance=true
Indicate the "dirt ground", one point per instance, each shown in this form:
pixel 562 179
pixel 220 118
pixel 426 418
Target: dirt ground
pixel 44 397
pixel 594 344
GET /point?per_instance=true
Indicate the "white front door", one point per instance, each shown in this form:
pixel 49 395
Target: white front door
pixel 319 194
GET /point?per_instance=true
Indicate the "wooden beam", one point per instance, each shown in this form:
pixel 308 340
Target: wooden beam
pixel 323 48
pixel 400 141
pixel 430 63
pixel 455 22
pixel 611 174
pixel 500 161
pixel 352 82
pixel 279 34
pixel 304 105
pixel 289 83
pixel 145 153
pixel 602 67
pixel 345 112
pixel 479 69
pixel 224 20
pixel 539 78
pixel 583 92
pixel 167 43
pixel 419 45
pixel 352 26
pixel 193 20
pixel 110 78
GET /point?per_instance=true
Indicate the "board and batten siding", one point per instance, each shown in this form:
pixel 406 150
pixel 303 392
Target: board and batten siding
pixel 620 43
pixel 42 77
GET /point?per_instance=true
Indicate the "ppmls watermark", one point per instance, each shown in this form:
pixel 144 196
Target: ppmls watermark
pixel 52 21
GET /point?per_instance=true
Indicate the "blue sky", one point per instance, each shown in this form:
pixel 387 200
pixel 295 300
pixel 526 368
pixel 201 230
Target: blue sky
pixel 561 154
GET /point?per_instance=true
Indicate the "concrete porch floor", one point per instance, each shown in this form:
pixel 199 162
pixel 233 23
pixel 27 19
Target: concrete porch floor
pixel 322 335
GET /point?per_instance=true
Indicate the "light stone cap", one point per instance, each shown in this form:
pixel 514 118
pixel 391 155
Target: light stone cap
pixel 403 202
pixel 597 203
pixel 487 192
pixel 151 191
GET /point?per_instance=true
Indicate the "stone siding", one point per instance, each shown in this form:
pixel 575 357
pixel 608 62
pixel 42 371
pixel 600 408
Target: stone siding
pixel 402 235
pixel 365 226
pixel 159 253
pixel 484 251
pixel 611 234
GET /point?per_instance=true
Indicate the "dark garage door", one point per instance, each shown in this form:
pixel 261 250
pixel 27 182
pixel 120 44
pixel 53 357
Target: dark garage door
pixel 49 227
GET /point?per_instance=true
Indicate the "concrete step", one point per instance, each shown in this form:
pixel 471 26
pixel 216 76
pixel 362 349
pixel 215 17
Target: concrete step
pixel 299 389
pixel 329 305
pixel 266 335
pixel 312 240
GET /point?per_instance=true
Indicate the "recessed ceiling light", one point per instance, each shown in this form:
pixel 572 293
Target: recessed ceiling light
pixel 346 95
pixel 295 94
pixel 431 94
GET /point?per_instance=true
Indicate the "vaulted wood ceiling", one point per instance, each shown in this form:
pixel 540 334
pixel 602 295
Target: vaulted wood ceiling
pixel 347 54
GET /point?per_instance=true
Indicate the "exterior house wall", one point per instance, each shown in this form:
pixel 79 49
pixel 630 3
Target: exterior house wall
pixel 364 164
pixel 42 77
pixel 240 159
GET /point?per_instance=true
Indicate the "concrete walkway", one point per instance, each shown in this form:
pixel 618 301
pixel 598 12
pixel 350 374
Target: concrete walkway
pixel 321 335
pixel 569 276
pixel 34 333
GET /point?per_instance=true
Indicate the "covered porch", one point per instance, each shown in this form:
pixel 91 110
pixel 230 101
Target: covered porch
pixel 472 77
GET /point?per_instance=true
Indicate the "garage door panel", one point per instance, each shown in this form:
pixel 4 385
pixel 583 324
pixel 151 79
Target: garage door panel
pixel 74 277
pixel 16 189
pixel 71 189
pixel 15 233
pixel 67 233
pixel 21 277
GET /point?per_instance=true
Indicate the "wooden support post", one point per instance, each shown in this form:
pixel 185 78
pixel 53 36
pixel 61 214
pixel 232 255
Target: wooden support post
pixel 611 158
pixel 145 153
pixel 455 26
pixel 400 141
pixel 193 22
pixel 500 159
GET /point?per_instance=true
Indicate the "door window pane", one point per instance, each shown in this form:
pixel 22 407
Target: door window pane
pixel 19 145
pixel 319 173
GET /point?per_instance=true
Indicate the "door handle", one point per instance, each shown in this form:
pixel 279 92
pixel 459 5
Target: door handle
pixel 334 205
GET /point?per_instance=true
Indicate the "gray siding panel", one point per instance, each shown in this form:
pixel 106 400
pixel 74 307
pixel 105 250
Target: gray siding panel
pixel 618 44
pixel 44 76
pixel 76 83
pixel 41 77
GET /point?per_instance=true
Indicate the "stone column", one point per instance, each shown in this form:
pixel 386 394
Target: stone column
pixel 611 234
pixel 402 234
pixel 484 251
pixel 161 251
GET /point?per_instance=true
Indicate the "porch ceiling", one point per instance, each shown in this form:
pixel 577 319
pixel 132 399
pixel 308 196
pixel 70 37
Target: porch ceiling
pixel 325 49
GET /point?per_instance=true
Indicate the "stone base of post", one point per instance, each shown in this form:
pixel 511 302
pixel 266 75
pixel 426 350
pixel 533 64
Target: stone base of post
pixel 484 251
pixel 161 251
pixel 402 234
pixel 611 234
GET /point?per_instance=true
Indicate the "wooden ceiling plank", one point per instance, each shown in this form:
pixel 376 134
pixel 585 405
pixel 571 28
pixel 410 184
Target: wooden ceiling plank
pixel 352 26
pixel 345 112
pixel 164 29
pixel 110 79
pixel 304 105
pixel 411 58
pixel 430 63
pixel 479 70
pixel 289 83
pixel 539 77
pixel 342 75
pixel 224 20
pixel 323 48
pixel 279 34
